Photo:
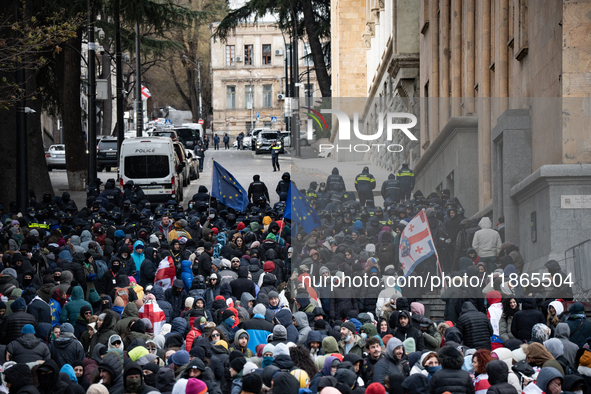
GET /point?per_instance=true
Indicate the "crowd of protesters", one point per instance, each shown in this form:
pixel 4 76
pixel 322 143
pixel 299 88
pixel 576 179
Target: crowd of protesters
pixel 84 307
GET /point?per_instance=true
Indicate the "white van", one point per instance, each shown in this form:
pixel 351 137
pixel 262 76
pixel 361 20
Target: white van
pixel 194 126
pixel 151 163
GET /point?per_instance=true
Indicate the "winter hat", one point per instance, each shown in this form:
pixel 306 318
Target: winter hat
pixel 67 327
pixel 179 358
pixel 320 324
pixel 268 348
pixel 248 368
pixel 280 350
pixel 189 301
pixel 28 329
pixel 279 332
pixel 148 324
pixel 269 266
pixel 19 304
pixel 216 262
pixel 195 386
pixel 512 344
pixel 207 246
pixel 375 388
pixel 409 345
pixel 350 326
pixel 252 383
pixel 272 294
pixel 259 309
pixel 541 332
pixel 222 343
pixel 558 307
pixel 227 313
pixel 238 364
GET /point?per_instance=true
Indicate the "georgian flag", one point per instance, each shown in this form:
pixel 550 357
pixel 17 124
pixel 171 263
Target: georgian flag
pixel 416 243
pixel 152 311
pixel 166 273
pixel 145 93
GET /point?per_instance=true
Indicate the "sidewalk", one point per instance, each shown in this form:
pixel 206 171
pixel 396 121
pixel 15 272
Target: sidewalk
pixel 59 181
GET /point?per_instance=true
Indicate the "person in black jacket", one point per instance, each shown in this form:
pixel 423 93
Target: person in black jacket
pixel 27 348
pixel 204 261
pixel 525 319
pixel 19 380
pixel 283 186
pixel 242 284
pixel 335 182
pixel 451 377
pixel 176 296
pixel 149 266
pixel 110 373
pixel 48 376
pixel 67 349
pixel 498 372
pixel 406 330
pixel 40 309
pixel 11 327
pixel 257 189
pixel 475 327
pixel 133 379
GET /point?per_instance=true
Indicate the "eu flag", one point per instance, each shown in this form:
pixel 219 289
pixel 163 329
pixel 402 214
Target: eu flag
pixel 227 189
pixel 298 210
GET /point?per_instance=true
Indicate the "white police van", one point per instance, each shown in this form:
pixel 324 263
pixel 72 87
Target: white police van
pixel 151 163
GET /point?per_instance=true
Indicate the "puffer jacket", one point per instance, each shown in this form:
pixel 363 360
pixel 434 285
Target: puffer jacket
pixel 497 372
pixel 242 284
pixel 66 350
pixel 27 348
pixel 475 327
pixel 525 319
pixel 505 327
pixel 451 377
pixel 129 314
pixel 176 300
pixel 286 319
pixel 388 365
pixel 303 327
pixel 487 241
pixel 11 326
pixel 71 310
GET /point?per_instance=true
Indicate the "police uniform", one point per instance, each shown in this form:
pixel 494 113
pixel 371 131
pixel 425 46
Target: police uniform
pixel 275 149
pixel 407 181
pixel 364 184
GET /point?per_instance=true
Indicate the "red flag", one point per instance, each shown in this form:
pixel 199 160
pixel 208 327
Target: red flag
pixel 166 273
pixel 152 311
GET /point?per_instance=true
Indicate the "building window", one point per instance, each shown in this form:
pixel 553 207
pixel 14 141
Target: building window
pixel 248 55
pixel 230 97
pixel 230 55
pixel 308 55
pixel 248 96
pixel 266 53
pixel 267 96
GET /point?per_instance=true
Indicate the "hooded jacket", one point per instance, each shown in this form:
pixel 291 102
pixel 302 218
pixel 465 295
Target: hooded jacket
pixel 27 348
pixel 162 303
pixel 21 380
pixel 242 284
pixel 498 372
pixel 403 333
pixel 71 310
pixel 303 327
pixel 389 365
pixel 451 377
pixel 578 321
pixel 475 327
pixel 176 299
pixel 258 329
pixel 286 319
pixel 148 268
pixel 487 241
pixel 562 333
pixel 105 331
pixel 525 319
pixel 57 385
pixel 112 364
pixel 129 314
pixel 66 350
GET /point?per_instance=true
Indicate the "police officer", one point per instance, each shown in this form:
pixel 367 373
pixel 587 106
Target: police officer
pixel 200 153
pixel 407 181
pixel 283 186
pixel 311 192
pixel 364 184
pixel 391 189
pixel 275 149
pixel 335 182
pixel 257 189
pixel 226 141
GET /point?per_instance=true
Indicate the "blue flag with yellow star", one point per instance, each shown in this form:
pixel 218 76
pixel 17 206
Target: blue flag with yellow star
pixel 227 189
pixel 298 210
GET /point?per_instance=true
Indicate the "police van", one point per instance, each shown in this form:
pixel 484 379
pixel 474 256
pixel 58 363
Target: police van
pixel 151 163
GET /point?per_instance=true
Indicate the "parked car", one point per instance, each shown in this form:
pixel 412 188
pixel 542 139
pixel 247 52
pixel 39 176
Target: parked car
pixel 193 163
pixel 187 136
pixel 55 157
pixel 266 138
pixel 106 154
pixel 254 135
pixel 180 152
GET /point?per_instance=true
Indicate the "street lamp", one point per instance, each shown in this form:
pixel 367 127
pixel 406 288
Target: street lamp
pixel 198 64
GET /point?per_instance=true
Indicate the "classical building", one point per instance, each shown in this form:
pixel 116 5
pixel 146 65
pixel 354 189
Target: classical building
pixel 254 57
pixel 501 89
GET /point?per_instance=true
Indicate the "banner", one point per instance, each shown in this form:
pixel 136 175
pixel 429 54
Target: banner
pixel 152 311
pixel 416 243
pixel 166 273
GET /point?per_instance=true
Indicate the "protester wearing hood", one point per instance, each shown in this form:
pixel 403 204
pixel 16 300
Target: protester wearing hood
pixel 241 339
pixel 285 318
pixel 394 362
pixel 149 266
pixel 133 380
pixel 71 310
pixel 570 349
pixel 451 377
pixel 487 243
pixel 526 319
pixel 48 376
pixel 242 284
pixel 27 348
pixel 405 330
pixel 19 378
pixel 67 349
pixel 176 297
pixel 111 373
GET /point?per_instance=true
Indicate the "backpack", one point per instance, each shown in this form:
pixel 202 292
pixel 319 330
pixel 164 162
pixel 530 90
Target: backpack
pixel 122 292
pixel 101 268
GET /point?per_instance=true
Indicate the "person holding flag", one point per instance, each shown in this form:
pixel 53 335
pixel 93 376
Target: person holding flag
pixel 227 189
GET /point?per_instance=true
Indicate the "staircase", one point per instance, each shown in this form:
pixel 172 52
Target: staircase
pixel 434 307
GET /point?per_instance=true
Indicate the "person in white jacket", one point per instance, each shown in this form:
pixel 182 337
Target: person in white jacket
pixel 487 243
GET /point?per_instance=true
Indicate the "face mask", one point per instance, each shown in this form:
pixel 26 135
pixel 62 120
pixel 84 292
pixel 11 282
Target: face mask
pixel 150 379
pixel 133 384
pixel 229 322
pixel 45 380
pixel 267 361
pixel 363 335
pixel 202 327
pixel 115 268
pixel 211 216
pixel 348 338
pixel 190 207
pixel 432 370
pixel 27 282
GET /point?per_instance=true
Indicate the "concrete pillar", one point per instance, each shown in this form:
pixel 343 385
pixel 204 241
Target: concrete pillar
pixel 434 81
pixel 444 55
pixel 456 63
pixel 469 56
pixel 484 94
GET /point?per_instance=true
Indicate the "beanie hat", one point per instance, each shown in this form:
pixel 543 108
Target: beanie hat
pixel 18 304
pixel 273 294
pixel 375 388
pixel 67 327
pixel 195 386
pixel 281 350
pixel 279 332
pixel 320 324
pixel 259 309
pixel 207 245
pixel 269 266
pixel 179 358
pixel 238 364
pixel 227 313
pixel 84 309
pixel 216 262
pixel 350 326
pixel 28 329
pixel 248 368
pixel 252 383
pixel 222 343
pixel 119 234
pixel 269 348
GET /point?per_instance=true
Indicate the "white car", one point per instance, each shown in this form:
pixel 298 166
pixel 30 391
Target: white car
pixel 193 162
pixel 55 157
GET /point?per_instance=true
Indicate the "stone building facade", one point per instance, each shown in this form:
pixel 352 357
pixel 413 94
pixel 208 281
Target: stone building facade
pixel 258 49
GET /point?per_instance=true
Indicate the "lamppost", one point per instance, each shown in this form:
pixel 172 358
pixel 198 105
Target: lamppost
pixel 198 65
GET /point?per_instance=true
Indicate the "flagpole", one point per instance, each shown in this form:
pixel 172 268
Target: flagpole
pixel 210 190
